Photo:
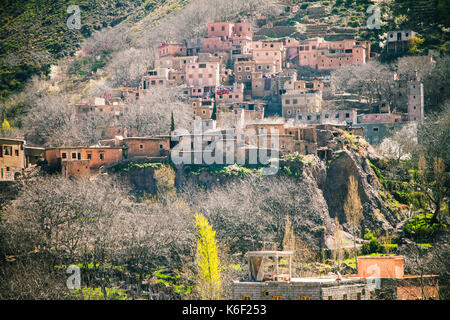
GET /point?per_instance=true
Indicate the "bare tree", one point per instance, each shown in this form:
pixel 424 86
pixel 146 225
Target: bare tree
pixel 400 144
pixel 151 114
pixel 353 210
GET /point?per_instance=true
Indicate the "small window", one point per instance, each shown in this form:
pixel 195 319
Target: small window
pixel 16 152
pixel 375 129
pixel 74 155
pixel 245 297
pixel 330 297
pixel 358 296
pixel 347 115
pixel 89 156
pixel 266 293
pixel 102 156
pixel 141 146
pixel 372 295
pixel 64 155
pixel 344 297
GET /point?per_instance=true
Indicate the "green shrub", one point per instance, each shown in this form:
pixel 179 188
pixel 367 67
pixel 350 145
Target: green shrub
pixel 421 228
pixel 373 246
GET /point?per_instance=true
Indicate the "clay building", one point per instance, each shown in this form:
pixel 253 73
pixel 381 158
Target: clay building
pixel 379 278
pixel 82 161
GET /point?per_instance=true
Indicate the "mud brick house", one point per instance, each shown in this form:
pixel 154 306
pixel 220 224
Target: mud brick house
pixel 243 70
pixel 202 107
pixel 172 50
pixel 322 55
pixel 156 77
pixel 227 30
pixel 270 278
pixel 295 102
pixel 175 63
pixel 225 94
pixel 147 147
pixel 269 53
pixel 204 74
pixel 82 161
pixel 16 156
pixel 348 117
pixel 119 96
pixel 264 85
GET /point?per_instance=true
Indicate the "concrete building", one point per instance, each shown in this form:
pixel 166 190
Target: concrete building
pixel 399 41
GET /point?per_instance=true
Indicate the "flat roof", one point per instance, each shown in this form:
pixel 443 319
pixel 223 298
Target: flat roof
pixel 102 147
pixel 268 253
pixel 13 139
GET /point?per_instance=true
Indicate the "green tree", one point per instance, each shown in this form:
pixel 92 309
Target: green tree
pixel 172 122
pixel 209 283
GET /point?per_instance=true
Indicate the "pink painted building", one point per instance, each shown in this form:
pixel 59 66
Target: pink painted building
pixel 321 55
pixel 171 49
pixel 269 52
pixel 204 74
pixel 226 30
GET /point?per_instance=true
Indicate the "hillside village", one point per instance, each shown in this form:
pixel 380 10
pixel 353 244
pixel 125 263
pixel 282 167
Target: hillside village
pixel 336 220
pixel 231 82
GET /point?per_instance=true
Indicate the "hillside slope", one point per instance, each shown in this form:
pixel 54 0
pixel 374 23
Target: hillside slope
pixel 34 34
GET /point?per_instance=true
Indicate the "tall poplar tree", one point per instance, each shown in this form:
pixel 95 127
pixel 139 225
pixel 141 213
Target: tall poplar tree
pixel 209 283
pixel 353 211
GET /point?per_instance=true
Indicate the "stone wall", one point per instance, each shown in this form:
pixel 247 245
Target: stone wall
pixel 273 290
